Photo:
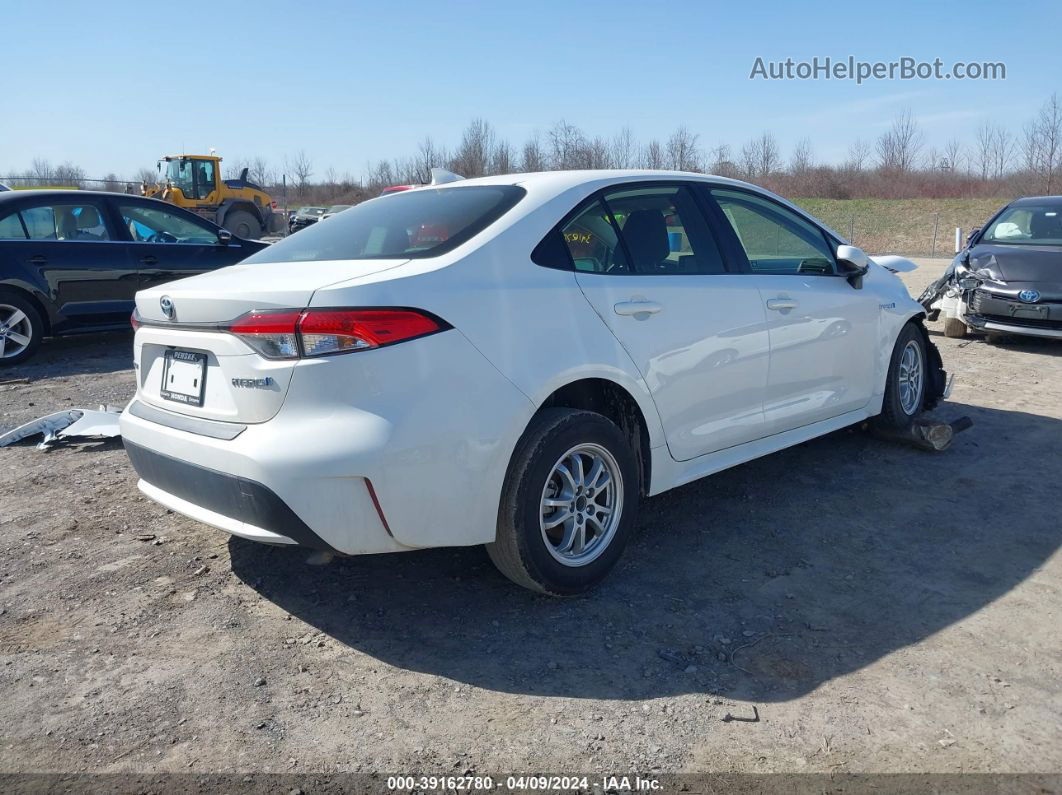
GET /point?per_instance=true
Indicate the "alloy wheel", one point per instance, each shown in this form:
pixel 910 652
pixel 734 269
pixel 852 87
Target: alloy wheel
pixel 581 504
pixel 16 331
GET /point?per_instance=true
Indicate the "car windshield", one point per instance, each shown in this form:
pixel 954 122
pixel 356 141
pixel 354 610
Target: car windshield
pixel 413 224
pixel 1027 224
pixel 338 208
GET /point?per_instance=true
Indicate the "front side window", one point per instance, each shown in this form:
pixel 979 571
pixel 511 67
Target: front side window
pixel 82 222
pixel 410 225
pixel 1032 225
pixel 775 239
pixel 664 231
pixel 152 225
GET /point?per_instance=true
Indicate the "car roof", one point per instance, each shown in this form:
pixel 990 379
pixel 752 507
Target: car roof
pixel 1037 200
pixel 553 183
pixel 66 193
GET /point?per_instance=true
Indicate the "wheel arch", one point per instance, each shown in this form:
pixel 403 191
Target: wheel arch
pixel 48 315
pixel 615 402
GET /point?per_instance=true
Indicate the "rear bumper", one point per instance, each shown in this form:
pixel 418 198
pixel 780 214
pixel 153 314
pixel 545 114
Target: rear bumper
pixel 381 451
pixel 241 506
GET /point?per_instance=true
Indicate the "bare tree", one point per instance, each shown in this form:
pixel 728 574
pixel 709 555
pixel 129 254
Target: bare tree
pixel 760 157
pixel 803 157
pixel 858 156
pixel 653 155
pixel 720 161
pixel 502 158
pixel 598 154
pixel 301 169
pixel 1001 152
pixel 953 155
pixel 146 176
pixel 260 172
pixel 899 146
pixel 112 183
pixel 533 158
pixel 68 175
pixel 683 154
pixel 472 157
pixel 429 156
pixel 1049 142
pixel 624 149
pixel 568 147
pixel 982 156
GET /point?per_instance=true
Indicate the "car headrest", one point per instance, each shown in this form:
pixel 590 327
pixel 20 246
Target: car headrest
pixel 646 236
pixel 89 218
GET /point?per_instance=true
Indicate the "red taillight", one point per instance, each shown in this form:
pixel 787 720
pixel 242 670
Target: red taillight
pixel 134 320
pixel 290 333
pixel 271 332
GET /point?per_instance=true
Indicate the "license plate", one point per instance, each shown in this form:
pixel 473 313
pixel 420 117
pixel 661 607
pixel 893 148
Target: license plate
pixel 184 377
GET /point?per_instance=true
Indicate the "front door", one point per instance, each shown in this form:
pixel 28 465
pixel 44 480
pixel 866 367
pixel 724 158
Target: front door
pixel 168 245
pixel 822 330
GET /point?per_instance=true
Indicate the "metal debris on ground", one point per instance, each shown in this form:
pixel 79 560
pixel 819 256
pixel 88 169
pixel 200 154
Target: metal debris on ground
pixel 102 423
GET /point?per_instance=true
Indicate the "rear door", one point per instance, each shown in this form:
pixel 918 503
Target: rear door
pixel 649 264
pixel 170 244
pixel 72 246
pixel 822 330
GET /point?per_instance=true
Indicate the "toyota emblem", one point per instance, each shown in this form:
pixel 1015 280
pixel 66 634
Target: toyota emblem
pixel 168 309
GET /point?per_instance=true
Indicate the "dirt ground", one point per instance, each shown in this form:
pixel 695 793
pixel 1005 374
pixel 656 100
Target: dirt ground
pixel 880 608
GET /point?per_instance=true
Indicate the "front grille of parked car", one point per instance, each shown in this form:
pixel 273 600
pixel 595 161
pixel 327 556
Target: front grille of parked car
pixel 1028 322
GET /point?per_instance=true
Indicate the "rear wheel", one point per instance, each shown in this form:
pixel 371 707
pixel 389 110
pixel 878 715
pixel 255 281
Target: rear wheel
pixel 954 328
pixel 242 224
pixel 21 328
pixel 905 388
pixel 568 503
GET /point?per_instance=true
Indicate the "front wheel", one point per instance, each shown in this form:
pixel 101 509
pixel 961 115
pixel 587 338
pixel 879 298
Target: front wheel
pixel 905 388
pixel 568 503
pixel 954 328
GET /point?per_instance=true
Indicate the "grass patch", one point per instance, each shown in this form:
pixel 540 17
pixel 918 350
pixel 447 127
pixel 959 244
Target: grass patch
pixel 902 226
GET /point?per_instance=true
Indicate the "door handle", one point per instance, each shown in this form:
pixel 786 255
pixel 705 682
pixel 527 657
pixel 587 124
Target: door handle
pixel 781 304
pixel 637 308
pixel 149 260
pixel 38 260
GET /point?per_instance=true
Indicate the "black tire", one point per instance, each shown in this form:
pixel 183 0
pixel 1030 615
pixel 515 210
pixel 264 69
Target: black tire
pixel 29 324
pixel 954 328
pixel 520 549
pixel 893 414
pixel 243 224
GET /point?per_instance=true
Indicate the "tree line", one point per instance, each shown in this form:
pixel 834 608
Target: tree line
pixel 994 161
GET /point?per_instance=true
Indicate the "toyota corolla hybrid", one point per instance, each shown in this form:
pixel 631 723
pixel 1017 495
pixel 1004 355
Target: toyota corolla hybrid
pixel 513 361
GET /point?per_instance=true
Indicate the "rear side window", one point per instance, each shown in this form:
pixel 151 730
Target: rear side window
pixel 412 224
pixel 11 228
pixel 74 222
pixel 664 231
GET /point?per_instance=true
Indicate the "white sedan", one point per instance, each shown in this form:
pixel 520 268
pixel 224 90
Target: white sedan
pixel 513 361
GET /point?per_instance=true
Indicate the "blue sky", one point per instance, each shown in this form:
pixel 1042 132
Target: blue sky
pixel 113 85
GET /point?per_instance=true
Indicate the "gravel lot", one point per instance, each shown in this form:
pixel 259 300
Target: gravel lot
pixel 881 608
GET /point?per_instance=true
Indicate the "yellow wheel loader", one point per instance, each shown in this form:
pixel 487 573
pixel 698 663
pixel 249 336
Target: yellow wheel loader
pixel 194 182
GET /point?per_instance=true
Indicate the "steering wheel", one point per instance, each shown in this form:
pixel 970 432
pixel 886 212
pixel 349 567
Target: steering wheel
pixel 162 237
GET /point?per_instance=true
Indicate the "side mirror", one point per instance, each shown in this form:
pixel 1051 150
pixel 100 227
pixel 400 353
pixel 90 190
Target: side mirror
pixel 224 237
pixel 973 233
pixel 854 264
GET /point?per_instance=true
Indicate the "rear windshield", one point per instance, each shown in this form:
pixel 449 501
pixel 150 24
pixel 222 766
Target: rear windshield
pixel 411 224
